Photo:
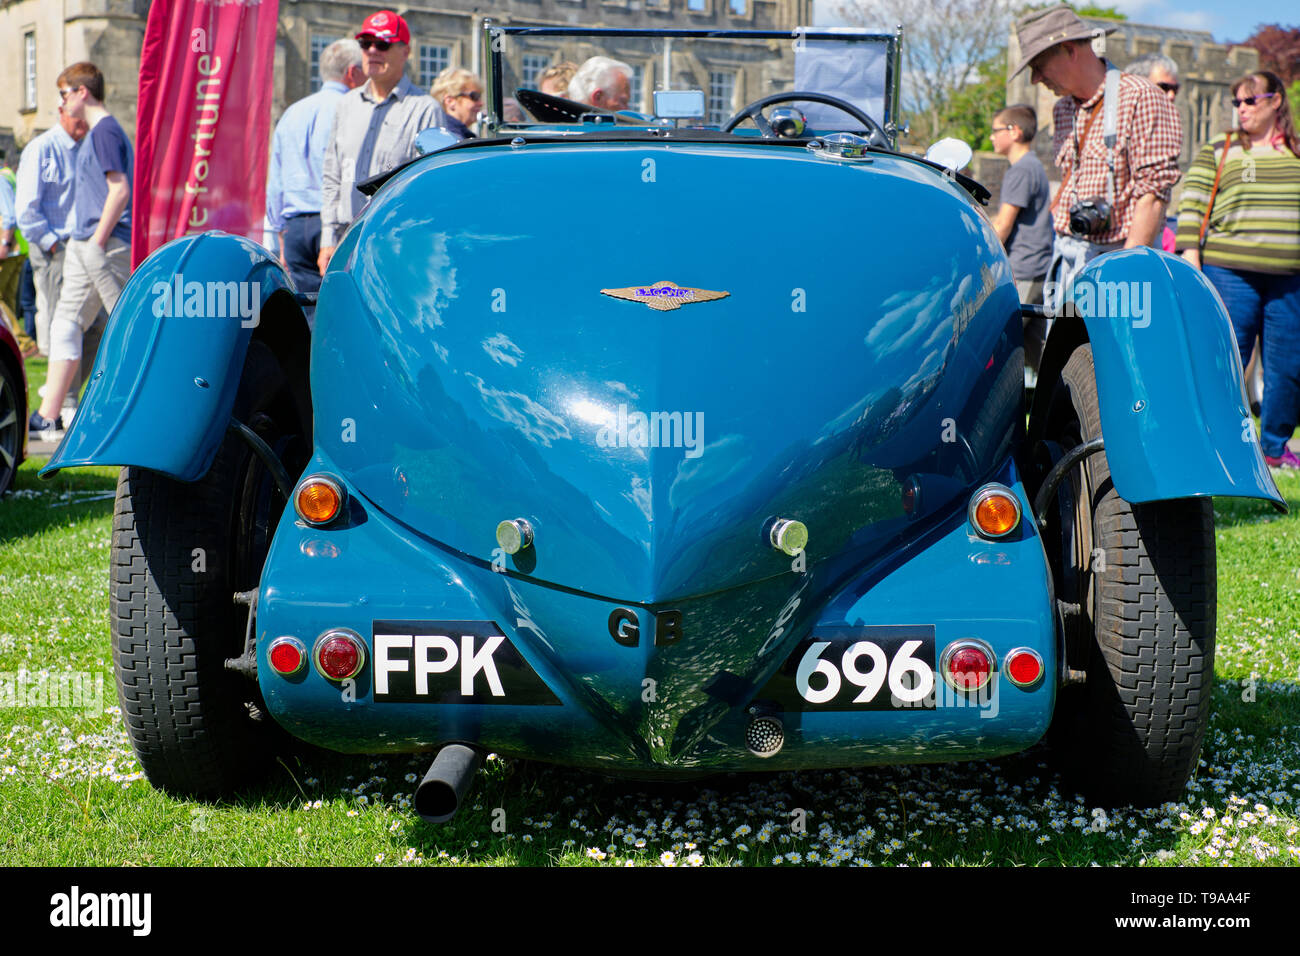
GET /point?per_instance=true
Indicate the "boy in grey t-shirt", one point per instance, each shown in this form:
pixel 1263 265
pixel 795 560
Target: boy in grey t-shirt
pixel 1024 221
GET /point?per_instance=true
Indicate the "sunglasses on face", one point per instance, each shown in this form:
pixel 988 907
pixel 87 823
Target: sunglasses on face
pixel 999 129
pixel 64 94
pixel 1168 87
pixel 1251 100
pixel 474 95
pixel 367 42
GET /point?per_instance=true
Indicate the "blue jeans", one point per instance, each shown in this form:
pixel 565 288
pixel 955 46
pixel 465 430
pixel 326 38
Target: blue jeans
pixel 1267 305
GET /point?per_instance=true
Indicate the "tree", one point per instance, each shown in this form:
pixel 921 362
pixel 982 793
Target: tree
pixel 1279 50
pixel 1096 10
pixel 947 45
pixel 971 109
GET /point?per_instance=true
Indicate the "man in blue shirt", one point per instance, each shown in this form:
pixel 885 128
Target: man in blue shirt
pixel 45 187
pixel 293 183
pixel 98 257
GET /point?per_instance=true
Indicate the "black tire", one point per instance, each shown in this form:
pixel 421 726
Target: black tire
pixel 1144 578
pixel 13 423
pixel 180 552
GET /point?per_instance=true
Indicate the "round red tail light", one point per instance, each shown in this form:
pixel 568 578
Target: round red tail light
pixel 1024 667
pixel 967 665
pixel 339 654
pixel 287 656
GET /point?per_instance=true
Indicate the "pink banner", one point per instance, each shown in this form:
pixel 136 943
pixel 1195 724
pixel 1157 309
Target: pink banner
pixel 203 125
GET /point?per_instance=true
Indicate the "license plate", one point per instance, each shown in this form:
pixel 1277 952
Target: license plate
pixel 875 667
pixel 452 662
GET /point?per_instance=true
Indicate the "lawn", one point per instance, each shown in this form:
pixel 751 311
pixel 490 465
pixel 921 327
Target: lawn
pixel 71 792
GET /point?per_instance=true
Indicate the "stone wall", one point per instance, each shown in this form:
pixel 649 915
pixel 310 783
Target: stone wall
pixel 110 33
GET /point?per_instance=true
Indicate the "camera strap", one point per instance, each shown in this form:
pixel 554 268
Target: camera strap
pixel 1110 124
pixel 1109 110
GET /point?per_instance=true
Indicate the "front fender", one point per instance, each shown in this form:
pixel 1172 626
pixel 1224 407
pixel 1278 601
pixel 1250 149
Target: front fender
pixel 169 364
pixel 1173 411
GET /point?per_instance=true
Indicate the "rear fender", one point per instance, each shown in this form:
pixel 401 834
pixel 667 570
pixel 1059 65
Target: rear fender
pixel 1173 410
pixel 165 380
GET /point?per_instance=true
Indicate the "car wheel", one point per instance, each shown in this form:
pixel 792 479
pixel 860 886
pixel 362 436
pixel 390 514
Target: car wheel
pixel 1142 582
pixel 180 552
pixel 12 422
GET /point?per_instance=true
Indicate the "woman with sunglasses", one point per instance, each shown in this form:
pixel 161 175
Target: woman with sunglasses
pixel 460 96
pixel 1238 220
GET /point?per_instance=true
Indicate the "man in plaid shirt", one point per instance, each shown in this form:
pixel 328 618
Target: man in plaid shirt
pixel 1057 47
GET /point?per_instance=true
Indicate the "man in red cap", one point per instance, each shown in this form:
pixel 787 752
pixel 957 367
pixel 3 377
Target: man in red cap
pixel 374 127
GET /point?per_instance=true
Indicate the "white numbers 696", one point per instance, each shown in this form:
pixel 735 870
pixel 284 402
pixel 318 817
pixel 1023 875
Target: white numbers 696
pixel 870 680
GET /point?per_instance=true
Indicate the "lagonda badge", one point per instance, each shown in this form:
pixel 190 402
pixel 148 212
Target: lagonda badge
pixel 665 295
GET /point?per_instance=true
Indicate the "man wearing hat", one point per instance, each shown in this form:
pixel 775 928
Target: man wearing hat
pixel 375 126
pixel 1115 137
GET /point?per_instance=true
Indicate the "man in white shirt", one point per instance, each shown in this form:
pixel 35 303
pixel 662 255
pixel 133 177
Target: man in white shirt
pixel 375 126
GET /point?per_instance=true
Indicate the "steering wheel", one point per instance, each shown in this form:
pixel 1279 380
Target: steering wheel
pixel 754 111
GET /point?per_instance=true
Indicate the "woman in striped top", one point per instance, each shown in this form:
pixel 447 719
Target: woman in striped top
pixel 1251 247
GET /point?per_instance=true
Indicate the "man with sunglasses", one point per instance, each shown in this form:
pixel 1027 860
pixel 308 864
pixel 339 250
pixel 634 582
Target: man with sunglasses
pixel 375 126
pixel 1116 139
pixel 1160 70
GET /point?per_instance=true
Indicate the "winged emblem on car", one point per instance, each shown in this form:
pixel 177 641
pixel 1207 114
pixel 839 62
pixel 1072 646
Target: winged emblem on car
pixel 665 295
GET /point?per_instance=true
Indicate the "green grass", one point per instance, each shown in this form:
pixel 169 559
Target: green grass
pixel 71 792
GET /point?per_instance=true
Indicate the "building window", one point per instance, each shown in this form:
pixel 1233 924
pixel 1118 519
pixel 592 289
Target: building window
pixel 433 60
pixel 737 7
pixel 638 84
pixel 29 71
pixel 722 91
pixel 697 6
pixel 318 45
pixel 533 66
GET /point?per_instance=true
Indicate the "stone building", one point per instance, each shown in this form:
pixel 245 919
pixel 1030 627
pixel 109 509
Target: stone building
pixel 1205 70
pixel 43 37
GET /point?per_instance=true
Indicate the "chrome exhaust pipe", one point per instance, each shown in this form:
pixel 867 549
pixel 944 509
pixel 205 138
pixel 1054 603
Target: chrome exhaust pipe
pixel 440 793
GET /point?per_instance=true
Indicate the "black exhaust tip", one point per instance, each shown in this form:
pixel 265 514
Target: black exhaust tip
pixel 440 793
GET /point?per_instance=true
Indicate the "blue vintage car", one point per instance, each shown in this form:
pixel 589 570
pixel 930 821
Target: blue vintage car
pixel 665 444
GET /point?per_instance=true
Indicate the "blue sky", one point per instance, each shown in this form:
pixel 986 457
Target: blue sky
pixel 1226 19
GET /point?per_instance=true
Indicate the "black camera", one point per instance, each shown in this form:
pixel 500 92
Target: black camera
pixel 1089 216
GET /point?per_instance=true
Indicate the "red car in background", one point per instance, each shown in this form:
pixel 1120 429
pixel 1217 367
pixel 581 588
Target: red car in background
pixel 13 408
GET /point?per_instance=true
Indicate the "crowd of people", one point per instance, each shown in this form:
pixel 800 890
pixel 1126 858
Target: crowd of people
pixel 65 217
pixel 1238 218
pixel 364 121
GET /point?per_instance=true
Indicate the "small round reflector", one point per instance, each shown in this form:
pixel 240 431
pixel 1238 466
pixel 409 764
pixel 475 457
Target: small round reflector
pixel 788 536
pixel 514 535
pixel 995 511
pixel 911 495
pixel 339 654
pixel 318 499
pixel 967 665
pixel 287 656
pixel 1023 667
